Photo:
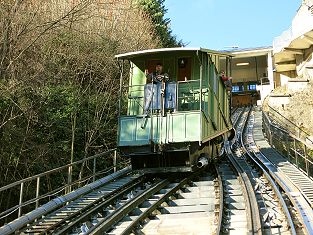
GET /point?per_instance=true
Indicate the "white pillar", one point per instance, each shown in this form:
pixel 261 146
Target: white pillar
pixel 266 89
pixel 270 74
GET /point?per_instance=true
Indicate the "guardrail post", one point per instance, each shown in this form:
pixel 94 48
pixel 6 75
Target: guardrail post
pixel 306 160
pixel 37 191
pixel 69 180
pixel 296 151
pixel 21 200
pixel 288 147
pixel 18 209
pixel 94 170
pixel 114 161
pixel 270 135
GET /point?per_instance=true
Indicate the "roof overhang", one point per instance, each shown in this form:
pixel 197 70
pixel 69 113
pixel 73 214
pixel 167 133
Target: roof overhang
pixel 135 54
pixel 251 52
pixel 285 67
pixel 289 53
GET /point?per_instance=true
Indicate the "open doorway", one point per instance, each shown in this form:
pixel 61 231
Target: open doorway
pixel 184 69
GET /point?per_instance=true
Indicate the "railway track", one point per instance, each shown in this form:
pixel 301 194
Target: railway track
pixel 283 192
pixel 173 209
pixel 275 214
pixel 241 211
pixel 135 203
pixel 239 196
pixel 237 217
pixel 83 208
pixel 301 211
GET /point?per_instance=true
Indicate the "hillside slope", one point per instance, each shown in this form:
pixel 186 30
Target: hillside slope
pixel 300 107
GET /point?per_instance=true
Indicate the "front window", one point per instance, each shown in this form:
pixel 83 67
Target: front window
pixel 235 88
pixel 252 87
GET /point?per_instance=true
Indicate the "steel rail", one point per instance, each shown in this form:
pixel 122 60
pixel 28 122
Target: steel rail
pixel 221 203
pixel 92 208
pixel 262 167
pixel 56 203
pixel 107 223
pixel 234 110
pixel 253 214
pixel 238 117
pixel 145 214
pixel 255 225
pixel 66 187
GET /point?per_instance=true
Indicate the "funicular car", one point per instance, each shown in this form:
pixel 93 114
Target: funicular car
pixel 179 122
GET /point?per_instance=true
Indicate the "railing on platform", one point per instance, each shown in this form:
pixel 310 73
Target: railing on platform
pixel 293 128
pixel 40 188
pixel 296 149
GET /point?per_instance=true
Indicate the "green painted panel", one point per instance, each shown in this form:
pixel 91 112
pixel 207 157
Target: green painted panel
pixel 142 134
pixel 127 129
pixel 137 75
pixel 136 90
pixel 131 132
pixel 156 120
pixel 193 126
pixel 178 128
pixel 204 131
pixel 206 124
pixel 184 126
pixel 173 128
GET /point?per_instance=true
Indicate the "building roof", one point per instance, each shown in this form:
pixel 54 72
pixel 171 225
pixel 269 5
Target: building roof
pixel 254 51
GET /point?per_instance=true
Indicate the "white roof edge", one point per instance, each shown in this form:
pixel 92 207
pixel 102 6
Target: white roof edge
pixel 151 51
pixel 253 50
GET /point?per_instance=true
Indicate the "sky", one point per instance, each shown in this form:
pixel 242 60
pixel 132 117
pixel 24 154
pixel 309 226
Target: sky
pixel 222 24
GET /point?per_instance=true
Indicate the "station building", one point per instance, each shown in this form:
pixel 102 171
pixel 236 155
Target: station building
pixel 252 75
pixel 288 63
pixel 292 50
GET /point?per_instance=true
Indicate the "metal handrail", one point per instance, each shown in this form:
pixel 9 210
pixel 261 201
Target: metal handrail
pixel 53 170
pixel 270 129
pixel 292 124
pixel 67 186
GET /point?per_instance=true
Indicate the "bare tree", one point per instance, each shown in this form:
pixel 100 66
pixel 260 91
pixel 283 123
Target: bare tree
pixel 55 48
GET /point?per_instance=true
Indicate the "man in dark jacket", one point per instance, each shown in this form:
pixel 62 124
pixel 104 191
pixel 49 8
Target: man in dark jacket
pixel 158 75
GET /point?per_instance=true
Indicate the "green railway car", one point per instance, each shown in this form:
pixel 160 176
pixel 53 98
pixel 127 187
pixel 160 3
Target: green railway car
pixel 174 124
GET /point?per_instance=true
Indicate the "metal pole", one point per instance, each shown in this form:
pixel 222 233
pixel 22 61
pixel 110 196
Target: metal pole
pixel 69 180
pixel 256 68
pixel 296 152
pixel 306 160
pixel 230 93
pixel 288 147
pixel 120 92
pixel 271 136
pixel 114 161
pixel 200 62
pixel 21 200
pixel 37 191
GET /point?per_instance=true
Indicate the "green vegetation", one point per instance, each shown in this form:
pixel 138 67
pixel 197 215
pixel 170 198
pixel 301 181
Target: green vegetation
pixel 156 10
pixel 59 79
